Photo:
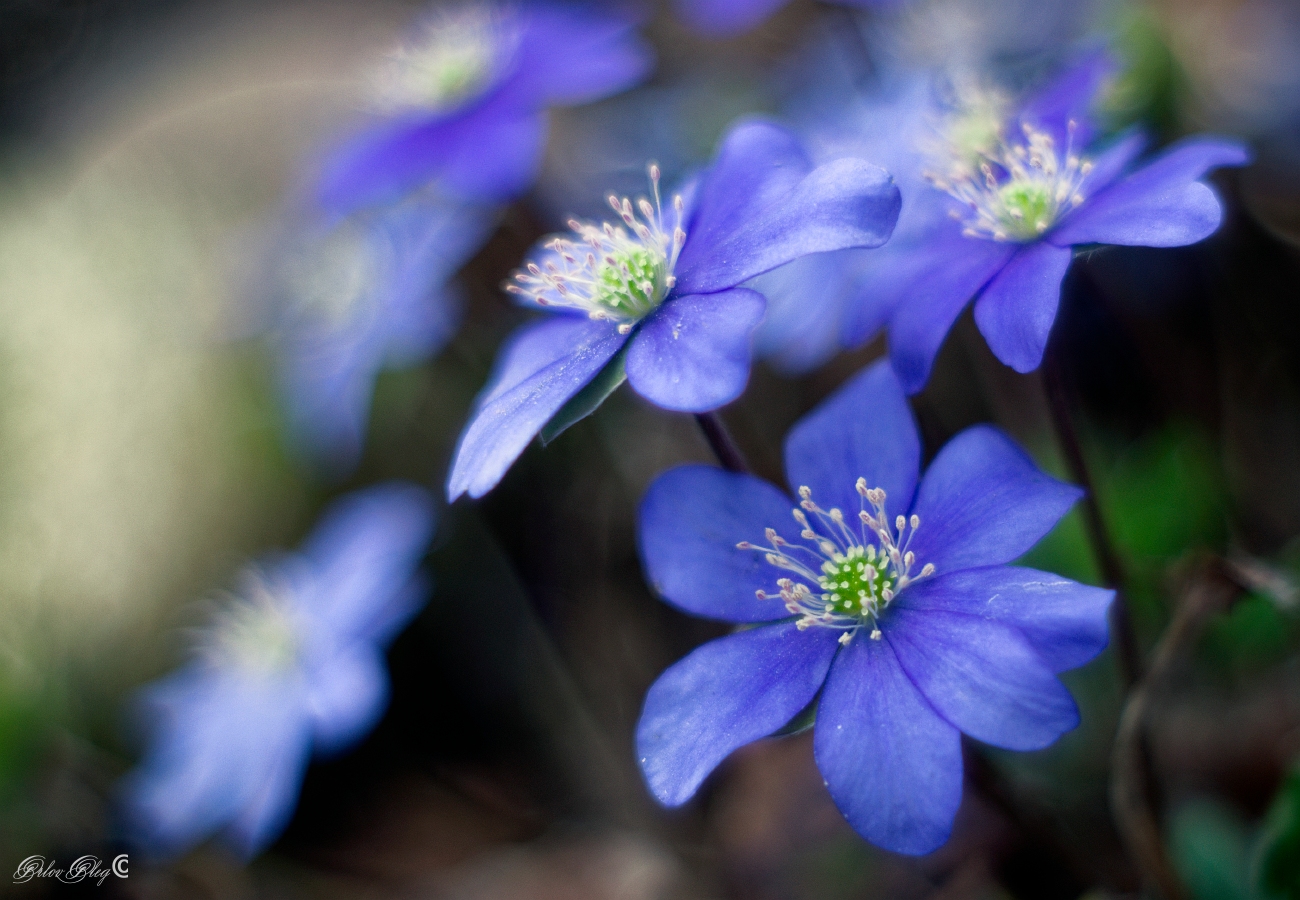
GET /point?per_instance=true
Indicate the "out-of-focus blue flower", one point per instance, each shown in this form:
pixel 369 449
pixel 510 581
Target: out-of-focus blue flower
pixel 464 101
pixel 890 602
pixel 292 663
pixel 664 286
pixel 813 301
pixel 1018 193
pixel 726 17
pixel 367 293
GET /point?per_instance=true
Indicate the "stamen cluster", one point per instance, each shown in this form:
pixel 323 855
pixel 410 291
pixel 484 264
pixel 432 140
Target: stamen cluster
pixel 254 631
pixel 847 576
pixel 618 273
pixel 1020 189
pixel 451 58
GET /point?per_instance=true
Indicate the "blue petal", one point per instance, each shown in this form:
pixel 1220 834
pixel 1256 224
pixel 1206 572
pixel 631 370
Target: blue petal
pixel 217 739
pixel 1112 161
pixel 693 353
pixel 488 151
pixel 1160 205
pixel 719 18
pixel 762 204
pixel 691 519
pixel 363 555
pixel 806 302
pixel 542 367
pixel 721 697
pixel 1070 98
pixel 575 53
pixel 893 766
pixel 982 677
pixel 983 502
pixel 1064 621
pixel 346 696
pixel 1016 311
pixel 864 430
pixel 268 810
pixel 933 287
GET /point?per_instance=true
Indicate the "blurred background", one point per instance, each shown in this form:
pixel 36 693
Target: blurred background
pixel 147 146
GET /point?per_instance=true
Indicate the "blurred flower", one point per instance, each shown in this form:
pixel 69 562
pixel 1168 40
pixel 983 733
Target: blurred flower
pixel 1018 195
pixel 725 17
pixel 913 628
pixel 665 288
pixel 370 292
pixel 292 663
pixel 464 100
pixel 814 300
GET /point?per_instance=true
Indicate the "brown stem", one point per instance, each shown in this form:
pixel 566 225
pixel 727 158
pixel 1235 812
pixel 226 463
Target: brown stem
pixel 1211 590
pixel 1108 562
pixel 722 443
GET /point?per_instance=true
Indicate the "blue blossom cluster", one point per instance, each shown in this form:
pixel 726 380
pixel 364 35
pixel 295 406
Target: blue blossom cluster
pixel 881 601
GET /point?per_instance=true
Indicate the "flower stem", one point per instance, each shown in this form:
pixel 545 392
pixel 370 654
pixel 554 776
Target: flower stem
pixel 721 442
pixel 1108 561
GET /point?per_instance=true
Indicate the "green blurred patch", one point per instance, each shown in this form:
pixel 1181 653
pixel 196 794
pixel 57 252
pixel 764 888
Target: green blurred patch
pixel 1210 847
pixel 1279 857
pixel 1253 635
pixel 1150 80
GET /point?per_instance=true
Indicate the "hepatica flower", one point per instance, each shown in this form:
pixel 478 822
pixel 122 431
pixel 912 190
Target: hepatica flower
pixel 292 663
pixel 463 103
pixel 656 294
pixel 368 293
pixel 1020 194
pixel 889 603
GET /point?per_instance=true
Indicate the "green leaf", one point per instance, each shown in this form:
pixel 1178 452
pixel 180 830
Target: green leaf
pixel 584 403
pixel 1279 862
pixel 1210 848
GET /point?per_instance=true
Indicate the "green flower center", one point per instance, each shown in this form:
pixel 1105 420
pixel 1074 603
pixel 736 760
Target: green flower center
pixel 255 633
pixel 1028 208
pixel 631 282
pixel 854 584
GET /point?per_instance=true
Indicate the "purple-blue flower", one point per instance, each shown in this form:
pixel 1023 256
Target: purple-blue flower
pixel 1020 193
pixel 293 663
pixel 367 293
pixel 889 603
pixel 462 105
pixel 661 289
pixel 720 18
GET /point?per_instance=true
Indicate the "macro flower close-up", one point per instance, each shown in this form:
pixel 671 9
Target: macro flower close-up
pixel 290 664
pixel 663 284
pixel 650 449
pixel 887 598
pixel 1021 188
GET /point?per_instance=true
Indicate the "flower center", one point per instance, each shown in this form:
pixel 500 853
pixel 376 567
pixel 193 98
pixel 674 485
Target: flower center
pixel 1018 190
pixel 845 577
pixel 450 59
pixel 607 271
pixel 254 632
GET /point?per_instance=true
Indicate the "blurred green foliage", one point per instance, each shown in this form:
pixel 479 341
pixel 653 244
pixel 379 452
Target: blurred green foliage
pixel 1210 847
pixel 1279 859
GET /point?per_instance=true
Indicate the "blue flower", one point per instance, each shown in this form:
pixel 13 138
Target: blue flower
pixel 292 663
pixel 663 285
pixel 726 17
pixel 890 604
pixel 464 101
pixel 1019 195
pixel 813 301
pixel 368 293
